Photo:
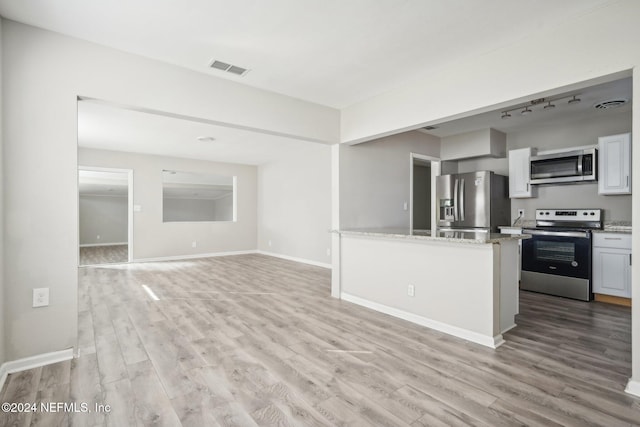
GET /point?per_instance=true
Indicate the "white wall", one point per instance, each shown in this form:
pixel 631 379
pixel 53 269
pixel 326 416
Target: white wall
pixel 3 310
pixel 153 238
pixel 294 204
pixel 42 76
pixel 374 179
pixel 104 216
pixel 579 132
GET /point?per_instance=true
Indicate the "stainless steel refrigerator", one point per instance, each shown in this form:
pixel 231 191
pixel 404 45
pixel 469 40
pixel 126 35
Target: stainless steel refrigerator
pixel 475 200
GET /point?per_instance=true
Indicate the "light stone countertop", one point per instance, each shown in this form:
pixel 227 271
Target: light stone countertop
pixel 441 236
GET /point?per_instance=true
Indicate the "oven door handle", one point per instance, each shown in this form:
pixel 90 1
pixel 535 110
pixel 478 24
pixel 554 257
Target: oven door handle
pixel 584 235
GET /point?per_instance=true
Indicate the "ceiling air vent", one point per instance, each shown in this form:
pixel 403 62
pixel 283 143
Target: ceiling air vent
pixel 229 68
pixel 611 103
pixel 430 127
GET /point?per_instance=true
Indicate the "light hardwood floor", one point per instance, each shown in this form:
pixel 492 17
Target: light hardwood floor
pixel 254 340
pixel 110 254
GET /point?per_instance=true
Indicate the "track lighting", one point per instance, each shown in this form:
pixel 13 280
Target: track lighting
pixel 526 108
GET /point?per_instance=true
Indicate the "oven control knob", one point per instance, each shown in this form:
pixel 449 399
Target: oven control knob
pixel 593 213
pixel 584 213
pixel 574 264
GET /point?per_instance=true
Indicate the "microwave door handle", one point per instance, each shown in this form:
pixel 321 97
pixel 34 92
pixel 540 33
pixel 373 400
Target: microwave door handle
pixel 580 160
pixel 461 200
pixel 455 200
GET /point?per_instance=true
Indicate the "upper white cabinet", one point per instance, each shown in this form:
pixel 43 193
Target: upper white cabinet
pixel 519 174
pixel 614 158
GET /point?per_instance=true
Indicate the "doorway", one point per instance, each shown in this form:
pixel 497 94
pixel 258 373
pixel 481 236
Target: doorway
pixel 423 170
pixel 105 215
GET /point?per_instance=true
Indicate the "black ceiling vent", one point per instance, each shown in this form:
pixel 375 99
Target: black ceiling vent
pixel 430 127
pixel 611 103
pixel 229 68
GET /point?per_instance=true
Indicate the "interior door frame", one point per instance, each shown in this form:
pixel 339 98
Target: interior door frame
pixel 129 173
pixel 435 171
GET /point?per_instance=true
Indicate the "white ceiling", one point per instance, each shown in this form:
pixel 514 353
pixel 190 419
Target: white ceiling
pixel 190 185
pixel 563 111
pixel 331 52
pixel 102 183
pixel 108 127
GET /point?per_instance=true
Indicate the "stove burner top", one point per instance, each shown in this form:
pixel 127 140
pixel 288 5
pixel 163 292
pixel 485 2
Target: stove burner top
pixel 568 219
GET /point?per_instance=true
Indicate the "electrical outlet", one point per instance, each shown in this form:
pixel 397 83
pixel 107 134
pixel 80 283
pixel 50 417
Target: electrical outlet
pixel 521 213
pixel 194 244
pixel 411 290
pixel 328 252
pixel 269 243
pixel 40 297
pixel 98 237
pixel 405 206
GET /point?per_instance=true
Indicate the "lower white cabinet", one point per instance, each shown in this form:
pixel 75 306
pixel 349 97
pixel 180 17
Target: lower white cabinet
pixel 612 264
pixel 514 230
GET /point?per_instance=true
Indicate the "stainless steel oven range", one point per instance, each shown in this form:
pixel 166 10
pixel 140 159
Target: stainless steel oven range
pixel 557 258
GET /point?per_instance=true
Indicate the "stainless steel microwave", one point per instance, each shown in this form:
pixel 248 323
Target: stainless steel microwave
pixel 565 167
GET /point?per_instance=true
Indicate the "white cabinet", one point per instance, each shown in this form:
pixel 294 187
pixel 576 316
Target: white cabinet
pixel 614 158
pixel 514 230
pixel 519 174
pixel 612 264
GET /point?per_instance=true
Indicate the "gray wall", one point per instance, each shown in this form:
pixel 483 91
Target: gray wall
pixel 560 135
pixel 374 179
pixel 154 238
pixel 196 209
pixel 294 204
pixel 421 197
pixel 104 216
pixel 223 208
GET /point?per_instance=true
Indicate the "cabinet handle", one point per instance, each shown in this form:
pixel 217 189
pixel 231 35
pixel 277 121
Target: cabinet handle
pixel 627 180
pixel 630 259
pixel 613 238
pixel 527 186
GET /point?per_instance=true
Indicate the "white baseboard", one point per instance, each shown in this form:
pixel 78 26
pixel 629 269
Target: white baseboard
pixel 487 341
pixel 91 245
pixel 194 256
pixel 301 260
pixel 36 361
pixel 633 387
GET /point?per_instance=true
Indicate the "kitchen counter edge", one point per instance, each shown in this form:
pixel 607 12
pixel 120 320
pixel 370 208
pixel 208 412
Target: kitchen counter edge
pixel 469 238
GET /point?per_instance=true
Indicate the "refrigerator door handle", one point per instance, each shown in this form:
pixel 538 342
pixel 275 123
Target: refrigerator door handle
pixel 455 200
pixel 461 195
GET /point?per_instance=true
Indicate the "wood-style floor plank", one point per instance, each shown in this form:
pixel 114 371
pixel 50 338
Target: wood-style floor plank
pixel 257 341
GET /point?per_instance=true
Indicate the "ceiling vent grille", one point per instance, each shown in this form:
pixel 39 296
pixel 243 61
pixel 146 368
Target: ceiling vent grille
pixel 229 68
pixel 611 103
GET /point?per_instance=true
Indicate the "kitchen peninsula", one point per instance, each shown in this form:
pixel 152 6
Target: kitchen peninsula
pixel 461 283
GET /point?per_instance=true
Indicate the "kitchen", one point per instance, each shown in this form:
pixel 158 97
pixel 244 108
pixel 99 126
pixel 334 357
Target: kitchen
pixel 570 120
